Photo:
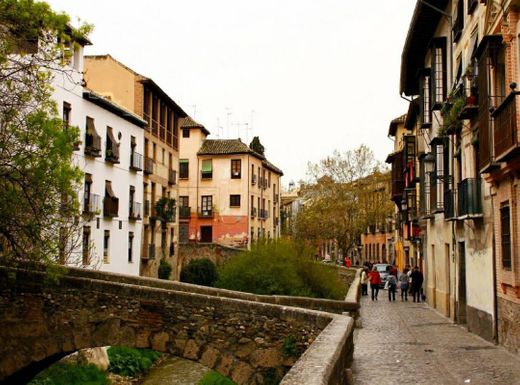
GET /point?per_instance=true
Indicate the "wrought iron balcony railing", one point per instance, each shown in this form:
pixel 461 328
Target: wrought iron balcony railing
pixel 93 145
pixel 136 161
pixel 134 210
pixel 184 212
pixel 92 204
pixel 148 165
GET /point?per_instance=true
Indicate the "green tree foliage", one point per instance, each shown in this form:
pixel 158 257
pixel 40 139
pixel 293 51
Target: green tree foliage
pixel 38 183
pixel 71 374
pixel 199 272
pixel 281 267
pixel 256 146
pixel 347 192
pixel 165 269
pixel 129 361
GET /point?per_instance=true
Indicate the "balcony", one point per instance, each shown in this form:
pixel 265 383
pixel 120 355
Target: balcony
pixel 134 210
pixel 147 208
pixel 449 205
pixel 184 212
pixel 253 180
pixel 172 177
pixel 262 214
pixel 148 165
pixel 253 212
pixel 110 207
pixel 155 126
pixel 275 199
pixel 112 153
pixel 470 198
pixel 205 213
pixel 206 175
pixel 136 161
pixel 148 252
pixel 506 130
pixel 93 145
pixel 92 204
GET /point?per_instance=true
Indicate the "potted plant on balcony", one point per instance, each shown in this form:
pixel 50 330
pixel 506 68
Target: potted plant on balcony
pixel 450 114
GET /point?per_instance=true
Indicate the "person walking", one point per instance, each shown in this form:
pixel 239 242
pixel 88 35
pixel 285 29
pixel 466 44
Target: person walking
pixel 403 283
pixel 417 281
pixel 364 282
pixel 392 287
pixel 375 281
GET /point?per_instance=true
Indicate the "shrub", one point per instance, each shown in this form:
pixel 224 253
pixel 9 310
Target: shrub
pixel 165 269
pixel 129 361
pixel 282 267
pixel 215 378
pixel 289 346
pixel 71 374
pixel 200 272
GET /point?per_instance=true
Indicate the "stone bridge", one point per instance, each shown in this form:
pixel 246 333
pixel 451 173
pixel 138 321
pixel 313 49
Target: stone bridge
pixel 240 335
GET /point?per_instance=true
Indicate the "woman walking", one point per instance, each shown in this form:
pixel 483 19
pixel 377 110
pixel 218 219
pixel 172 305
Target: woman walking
pixel 403 282
pixel 364 281
pixel 375 281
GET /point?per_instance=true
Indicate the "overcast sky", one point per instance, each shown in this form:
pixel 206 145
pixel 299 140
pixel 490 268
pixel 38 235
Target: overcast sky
pixel 307 76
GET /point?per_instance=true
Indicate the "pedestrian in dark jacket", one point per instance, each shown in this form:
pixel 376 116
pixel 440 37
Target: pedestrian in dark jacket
pixel 403 283
pixel 392 287
pixel 417 281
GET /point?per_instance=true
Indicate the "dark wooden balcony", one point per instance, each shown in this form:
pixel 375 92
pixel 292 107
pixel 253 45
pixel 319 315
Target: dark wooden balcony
pixel 506 143
pixel 110 207
pixel 469 198
pixel 134 210
pixel 93 145
pixel 136 161
pixel 184 212
pixel 148 165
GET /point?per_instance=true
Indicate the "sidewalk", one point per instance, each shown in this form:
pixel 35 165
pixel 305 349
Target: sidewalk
pixel 409 343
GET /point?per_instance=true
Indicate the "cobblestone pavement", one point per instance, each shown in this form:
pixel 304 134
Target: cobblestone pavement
pixel 409 343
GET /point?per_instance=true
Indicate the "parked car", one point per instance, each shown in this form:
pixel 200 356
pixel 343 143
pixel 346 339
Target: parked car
pixel 382 269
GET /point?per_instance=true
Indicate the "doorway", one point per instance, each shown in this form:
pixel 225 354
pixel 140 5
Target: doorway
pixel 206 234
pixel 461 307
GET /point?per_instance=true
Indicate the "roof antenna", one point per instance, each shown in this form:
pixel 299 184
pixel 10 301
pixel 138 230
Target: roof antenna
pixel 194 106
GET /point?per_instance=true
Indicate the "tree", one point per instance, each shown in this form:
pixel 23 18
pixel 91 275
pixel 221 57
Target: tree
pixel 38 182
pixel 256 146
pixel 346 193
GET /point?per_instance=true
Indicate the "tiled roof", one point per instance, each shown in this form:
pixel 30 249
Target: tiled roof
pixel 394 123
pixel 223 146
pixel 271 167
pixel 233 146
pixel 188 122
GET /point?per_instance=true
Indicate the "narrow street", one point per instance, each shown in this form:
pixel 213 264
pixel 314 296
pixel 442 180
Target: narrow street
pixel 409 343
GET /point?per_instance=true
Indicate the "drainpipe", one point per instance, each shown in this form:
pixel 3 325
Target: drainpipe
pixel 495 290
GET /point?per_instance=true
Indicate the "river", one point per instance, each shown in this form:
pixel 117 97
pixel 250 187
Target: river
pixel 175 371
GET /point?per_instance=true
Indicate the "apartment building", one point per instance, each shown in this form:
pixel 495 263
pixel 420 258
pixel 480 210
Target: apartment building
pixel 111 138
pixel 460 73
pixel 228 193
pixel 160 162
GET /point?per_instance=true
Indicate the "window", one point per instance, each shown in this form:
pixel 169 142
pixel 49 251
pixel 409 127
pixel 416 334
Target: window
pixel 234 200
pixel 207 169
pixel 106 246
pixel 130 247
pixel 87 198
pixel 438 72
pixel 426 113
pixel 207 205
pixel 175 131
pixel 185 132
pixel 66 114
pixel 184 201
pixel 86 245
pixel 184 169
pixel 112 147
pixel 505 235
pixel 269 179
pixel 236 168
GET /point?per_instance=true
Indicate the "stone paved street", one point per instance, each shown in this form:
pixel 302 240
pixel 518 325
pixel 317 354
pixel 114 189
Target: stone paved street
pixel 409 343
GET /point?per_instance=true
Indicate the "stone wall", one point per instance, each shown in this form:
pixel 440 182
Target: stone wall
pixel 509 325
pixel 241 339
pixel 218 254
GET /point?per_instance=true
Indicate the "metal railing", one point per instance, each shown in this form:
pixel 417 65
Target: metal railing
pixel 469 197
pixel 206 213
pixel 505 127
pixel 92 203
pixel 136 161
pixel 253 212
pixel 92 145
pixel 134 210
pixel 184 212
pixel 148 165
pixel 172 177
pixel 253 180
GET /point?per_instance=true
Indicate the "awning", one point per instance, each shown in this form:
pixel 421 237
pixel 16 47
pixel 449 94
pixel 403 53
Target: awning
pixel 91 128
pixel 108 189
pixel 206 165
pixel 115 145
pixel 390 158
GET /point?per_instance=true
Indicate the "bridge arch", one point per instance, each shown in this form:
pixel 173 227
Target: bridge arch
pixel 42 321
